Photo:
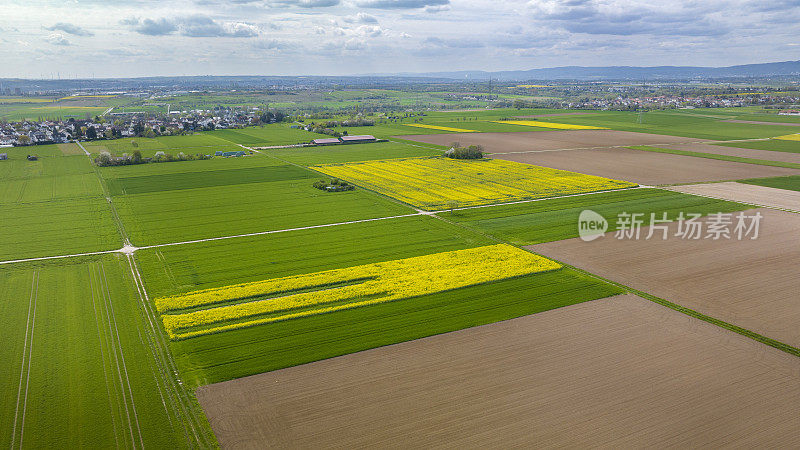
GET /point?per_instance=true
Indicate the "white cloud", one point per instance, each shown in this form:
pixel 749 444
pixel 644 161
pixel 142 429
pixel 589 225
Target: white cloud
pixel 57 39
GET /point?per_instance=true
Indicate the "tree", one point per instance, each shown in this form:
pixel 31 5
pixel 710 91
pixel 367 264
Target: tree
pixel 91 133
pixel 24 140
pixel 136 158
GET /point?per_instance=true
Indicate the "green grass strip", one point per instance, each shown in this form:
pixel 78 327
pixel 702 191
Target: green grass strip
pixel 761 162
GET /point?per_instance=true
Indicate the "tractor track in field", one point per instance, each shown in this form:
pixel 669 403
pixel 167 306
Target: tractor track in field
pixel 104 356
pixel 122 368
pixel 27 354
pixel 184 407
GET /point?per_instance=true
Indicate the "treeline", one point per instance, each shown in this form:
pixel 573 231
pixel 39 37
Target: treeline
pixel 105 159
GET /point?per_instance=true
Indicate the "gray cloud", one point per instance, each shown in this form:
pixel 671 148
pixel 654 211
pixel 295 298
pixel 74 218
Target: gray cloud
pixel 304 3
pixel 400 4
pixel 191 26
pixel 70 29
pixel 626 18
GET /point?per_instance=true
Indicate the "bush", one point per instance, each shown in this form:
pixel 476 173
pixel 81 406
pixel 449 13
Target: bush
pixel 471 152
pixel 336 185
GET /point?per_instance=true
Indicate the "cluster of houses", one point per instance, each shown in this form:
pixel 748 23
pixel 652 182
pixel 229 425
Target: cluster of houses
pixel 62 131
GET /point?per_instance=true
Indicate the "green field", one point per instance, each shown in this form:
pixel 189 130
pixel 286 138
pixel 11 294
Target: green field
pixel 175 207
pixel 775 145
pixel 182 268
pixel 557 219
pixel 77 369
pixel 53 206
pixel 57 228
pixel 791 183
pixel 207 359
pixel 191 144
pixel 675 123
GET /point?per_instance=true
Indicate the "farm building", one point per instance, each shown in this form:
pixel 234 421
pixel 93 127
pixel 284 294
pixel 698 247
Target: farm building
pixel 3 156
pixel 326 141
pixel 358 139
pixel 237 153
pixel 218 153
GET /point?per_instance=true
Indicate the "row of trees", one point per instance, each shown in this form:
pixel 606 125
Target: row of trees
pixel 105 159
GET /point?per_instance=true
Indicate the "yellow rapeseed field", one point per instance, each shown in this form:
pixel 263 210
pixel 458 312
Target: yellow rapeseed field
pixel 243 305
pixel 438 183
pixel 789 137
pixel 559 126
pixel 437 127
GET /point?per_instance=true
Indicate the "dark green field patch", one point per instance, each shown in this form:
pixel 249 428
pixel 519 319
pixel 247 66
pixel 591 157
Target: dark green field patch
pixel 557 219
pixel 211 178
pixel 791 183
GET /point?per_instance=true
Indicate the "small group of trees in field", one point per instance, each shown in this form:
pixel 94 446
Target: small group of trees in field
pixel 105 159
pixel 335 185
pixel 456 151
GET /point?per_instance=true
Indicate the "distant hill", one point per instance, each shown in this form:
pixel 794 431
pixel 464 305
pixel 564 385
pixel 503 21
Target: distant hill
pixel 787 68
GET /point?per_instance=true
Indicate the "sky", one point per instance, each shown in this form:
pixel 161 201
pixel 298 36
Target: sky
pixel 132 38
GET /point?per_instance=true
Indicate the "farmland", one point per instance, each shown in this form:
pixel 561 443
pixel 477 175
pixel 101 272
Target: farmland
pixel 240 306
pixel 746 282
pixel 554 220
pixel 157 209
pixel 439 183
pixel 78 372
pixel 601 373
pixel 208 271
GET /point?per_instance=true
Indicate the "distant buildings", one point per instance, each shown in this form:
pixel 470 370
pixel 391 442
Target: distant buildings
pixel 3 156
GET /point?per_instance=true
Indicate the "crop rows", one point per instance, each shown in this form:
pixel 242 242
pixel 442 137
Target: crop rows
pixel 437 183
pixel 278 299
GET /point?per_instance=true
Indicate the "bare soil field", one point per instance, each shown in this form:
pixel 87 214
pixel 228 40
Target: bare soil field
pixel 749 283
pixel 525 141
pixel 756 122
pixel 648 168
pixel 746 193
pixel 741 152
pixel 619 372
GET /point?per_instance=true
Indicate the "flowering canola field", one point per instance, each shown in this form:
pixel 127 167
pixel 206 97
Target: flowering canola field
pixel 262 302
pixel 789 137
pixel 436 183
pixel 437 127
pixel 559 126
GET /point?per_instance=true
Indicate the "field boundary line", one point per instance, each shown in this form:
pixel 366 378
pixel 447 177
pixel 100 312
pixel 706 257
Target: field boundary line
pixel 30 357
pixel 34 291
pixel 128 249
pixel 285 230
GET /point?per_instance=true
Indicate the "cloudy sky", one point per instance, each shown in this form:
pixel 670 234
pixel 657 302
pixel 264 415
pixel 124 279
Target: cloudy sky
pixel 113 38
